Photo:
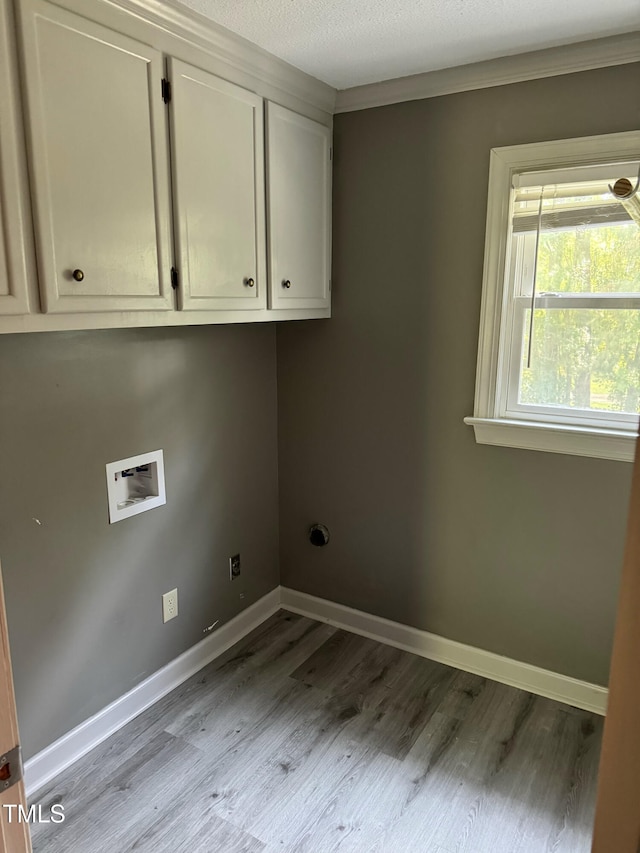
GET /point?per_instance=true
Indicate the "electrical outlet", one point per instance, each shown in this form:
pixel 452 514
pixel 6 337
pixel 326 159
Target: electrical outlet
pixel 170 605
pixel 234 567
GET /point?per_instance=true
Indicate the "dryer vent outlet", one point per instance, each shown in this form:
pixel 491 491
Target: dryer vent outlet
pixel 318 535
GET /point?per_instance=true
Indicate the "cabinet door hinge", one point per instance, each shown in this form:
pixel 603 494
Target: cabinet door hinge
pixel 174 278
pixel 166 90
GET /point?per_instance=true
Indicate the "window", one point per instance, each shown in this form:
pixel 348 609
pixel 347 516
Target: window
pixel 559 348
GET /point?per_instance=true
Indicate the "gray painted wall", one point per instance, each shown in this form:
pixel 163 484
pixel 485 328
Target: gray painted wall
pixel 84 597
pixel 513 551
pixel 508 550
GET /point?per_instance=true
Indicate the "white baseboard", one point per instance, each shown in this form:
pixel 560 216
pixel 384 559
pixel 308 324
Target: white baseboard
pixel 70 747
pixel 542 682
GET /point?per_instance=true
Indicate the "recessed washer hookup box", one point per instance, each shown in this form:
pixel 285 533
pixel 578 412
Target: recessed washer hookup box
pixel 135 485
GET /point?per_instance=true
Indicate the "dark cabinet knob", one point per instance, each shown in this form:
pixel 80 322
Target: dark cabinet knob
pixel 249 282
pixel 78 275
pixel 286 283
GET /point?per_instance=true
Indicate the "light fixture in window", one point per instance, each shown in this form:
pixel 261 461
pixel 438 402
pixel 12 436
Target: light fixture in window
pixel 628 196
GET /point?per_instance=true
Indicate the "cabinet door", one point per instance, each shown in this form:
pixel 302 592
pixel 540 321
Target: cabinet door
pixel 16 241
pixel 299 193
pixel 217 154
pixel 99 164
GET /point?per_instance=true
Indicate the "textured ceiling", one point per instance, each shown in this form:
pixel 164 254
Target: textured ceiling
pixel 347 43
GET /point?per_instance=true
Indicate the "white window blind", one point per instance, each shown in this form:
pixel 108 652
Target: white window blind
pixel 566 205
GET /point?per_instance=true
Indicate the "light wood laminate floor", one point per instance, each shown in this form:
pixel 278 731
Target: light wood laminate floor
pixel 309 739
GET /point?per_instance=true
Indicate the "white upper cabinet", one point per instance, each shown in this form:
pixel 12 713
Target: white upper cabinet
pixel 299 210
pixel 16 245
pixel 138 169
pixel 217 156
pixel 99 164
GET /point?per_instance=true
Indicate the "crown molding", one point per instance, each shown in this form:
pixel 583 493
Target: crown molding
pixel 230 48
pixel 550 62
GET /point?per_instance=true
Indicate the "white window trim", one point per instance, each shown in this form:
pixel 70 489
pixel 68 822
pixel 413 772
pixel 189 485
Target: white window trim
pixel 489 426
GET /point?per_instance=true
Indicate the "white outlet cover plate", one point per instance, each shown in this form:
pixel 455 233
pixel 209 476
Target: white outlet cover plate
pixel 170 605
pixel 121 508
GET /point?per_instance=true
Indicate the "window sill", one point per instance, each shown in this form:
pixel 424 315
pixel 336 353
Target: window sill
pixel 556 438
